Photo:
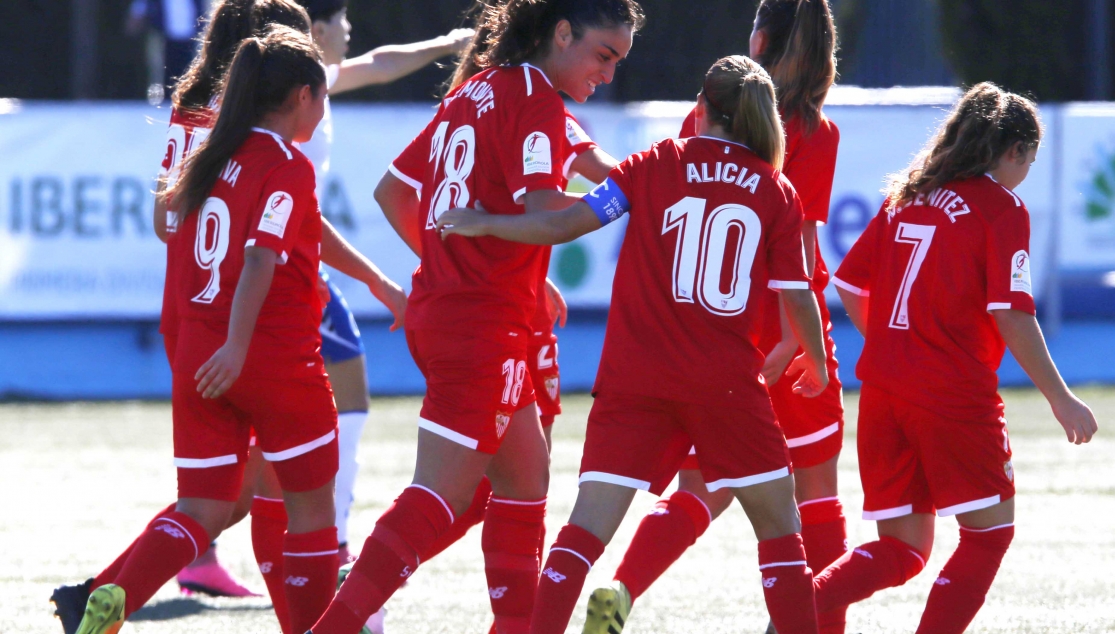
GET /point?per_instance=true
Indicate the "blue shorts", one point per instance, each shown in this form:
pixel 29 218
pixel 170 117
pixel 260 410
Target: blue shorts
pixel 340 338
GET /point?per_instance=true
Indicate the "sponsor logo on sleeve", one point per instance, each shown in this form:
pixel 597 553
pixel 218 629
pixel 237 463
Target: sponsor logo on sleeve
pixel 574 132
pixel 536 154
pixel 1020 273
pixel 276 213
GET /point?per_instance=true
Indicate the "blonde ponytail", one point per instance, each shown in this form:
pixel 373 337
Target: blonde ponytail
pixel 739 96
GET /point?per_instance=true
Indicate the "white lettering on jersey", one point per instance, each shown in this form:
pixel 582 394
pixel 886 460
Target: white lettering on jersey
pixel 536 154
pixel 481 93
pixel 231 172
pixel 276 213
pixel 946 200
pixel 721 173
pixel 1020 273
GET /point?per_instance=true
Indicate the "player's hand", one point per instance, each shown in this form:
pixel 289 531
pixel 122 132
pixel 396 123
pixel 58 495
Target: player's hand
pixel 395 299
pixel 778 360
pixel 457 40
pixel 556 303
pixel 217 375
pixel 323 292
pixel 463 222
pixel 1076 417
pixel 814 376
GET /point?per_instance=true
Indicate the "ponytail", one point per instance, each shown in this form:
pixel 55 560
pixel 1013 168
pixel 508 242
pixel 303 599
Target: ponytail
pixel 511 32
pixel 984 124
pixel 264 72
pixel 739 96
pixel 800 55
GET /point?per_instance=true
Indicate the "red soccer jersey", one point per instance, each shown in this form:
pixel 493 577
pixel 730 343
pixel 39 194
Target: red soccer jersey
pixel 934 271
pixel 712 227
pixel 264 197
pixel 187 129
pixel 497 137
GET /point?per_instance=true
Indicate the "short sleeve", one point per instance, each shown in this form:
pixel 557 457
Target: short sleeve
pixel 810 167
pixel 784 250
pixel 410 166
pixel 854 273
pixel 577 142
pixel 689 126
pixel 286 199
pixel 611 199
pixel 1008 262
pixel 534 154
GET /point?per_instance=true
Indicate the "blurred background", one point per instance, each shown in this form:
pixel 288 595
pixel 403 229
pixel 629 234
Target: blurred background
pixel 82 127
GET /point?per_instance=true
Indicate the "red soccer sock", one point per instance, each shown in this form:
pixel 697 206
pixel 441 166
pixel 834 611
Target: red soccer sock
pixel 390 556
pixel 472 516
pixel 268 528
pixel 864 571
pixel 825 535
pixel 108 575
pixel 788 585
pixel 962 586
pixel 170 542
pixel 671 527
pixel 310 575
pixel 510 542
pixel 563 576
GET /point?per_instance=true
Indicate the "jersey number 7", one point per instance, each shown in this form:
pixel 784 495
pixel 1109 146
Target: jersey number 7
pixel 921 236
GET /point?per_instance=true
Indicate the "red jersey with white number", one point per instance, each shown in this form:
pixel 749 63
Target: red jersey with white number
pixel 187 129
pixel 934 271
pixel 712 227
pixel 810 164
pixel 497 137
pixel 264 197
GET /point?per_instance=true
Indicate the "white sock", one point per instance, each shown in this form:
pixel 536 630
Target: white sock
pixel 350 426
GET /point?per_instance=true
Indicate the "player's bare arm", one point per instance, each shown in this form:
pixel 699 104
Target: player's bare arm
pixel 779 358
pixel 556 227
pixel 399 202
pixel 217 375
pixel 341 255
pixel 805 320
pixel 1022 335
pixel 594 164
pixel 385 64
pixel 158 217
pixel 856 305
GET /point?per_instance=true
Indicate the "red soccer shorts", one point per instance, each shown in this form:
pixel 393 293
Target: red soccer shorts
pixel 294 419
pixel 814 427
pixel 545 375
pixel 473 384
pixel 640 442
pixel 912 460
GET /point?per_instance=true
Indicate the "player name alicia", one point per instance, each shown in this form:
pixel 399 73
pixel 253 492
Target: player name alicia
pixel 721 173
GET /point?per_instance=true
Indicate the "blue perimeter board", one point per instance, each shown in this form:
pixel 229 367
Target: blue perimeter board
pixel 125 360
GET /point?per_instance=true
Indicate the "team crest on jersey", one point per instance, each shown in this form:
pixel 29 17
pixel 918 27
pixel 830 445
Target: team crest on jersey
pixel 552 387
pixel 1008 468
pixel 1020 273
pixel 502 421
pixel 276 213
pixel 536 154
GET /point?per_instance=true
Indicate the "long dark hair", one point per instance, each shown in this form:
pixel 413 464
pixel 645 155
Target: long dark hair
pixel 739 96
pixel 230 22
pixel 800 55
pixel 986 122
pixel 263 73
pixel 513 31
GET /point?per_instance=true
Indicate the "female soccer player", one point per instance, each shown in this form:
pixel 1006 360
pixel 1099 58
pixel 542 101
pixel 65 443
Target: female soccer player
pixel 246 250
pixel 497 138
pixel 341 346
pixel 937 283
pixel 713 224
pixel 795 41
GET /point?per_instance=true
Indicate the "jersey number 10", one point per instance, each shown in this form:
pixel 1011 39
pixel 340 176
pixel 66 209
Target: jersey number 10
pixel 702 252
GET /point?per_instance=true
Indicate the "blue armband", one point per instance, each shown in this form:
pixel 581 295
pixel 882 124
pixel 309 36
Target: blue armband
pixel 607 201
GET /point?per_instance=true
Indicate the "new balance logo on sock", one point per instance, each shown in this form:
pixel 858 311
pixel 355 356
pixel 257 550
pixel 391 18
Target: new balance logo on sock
pixel 554 575
pixel 297 581
pixel 769 582
pixel 860 551
pixel 265 567
pixel 941 581
pixel 497 593
pixel 171 530
pixel 406 572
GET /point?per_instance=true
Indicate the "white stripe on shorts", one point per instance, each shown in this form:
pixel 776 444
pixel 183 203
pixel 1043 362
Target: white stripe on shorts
pixel 623 481
pixel 886 514
pixel 746 481
pixel 809 439
pixel 974 505
pixel 205 463
pixel 304 448
pixel 445 432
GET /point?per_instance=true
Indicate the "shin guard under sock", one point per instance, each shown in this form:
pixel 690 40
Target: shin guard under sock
pixel 472 516
pixel 108 575
pixel 865 570
pixel 563 577
pixel 671 527
pixel 268 529
pixel 959 591
pixel 170 542
pixel 825 535
pixel 350 426
pixel 309 575
pixel 512 529
pixel 788 585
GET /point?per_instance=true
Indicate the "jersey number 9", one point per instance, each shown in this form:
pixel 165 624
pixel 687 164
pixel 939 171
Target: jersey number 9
pixel 211 246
